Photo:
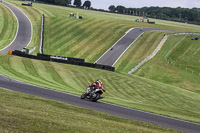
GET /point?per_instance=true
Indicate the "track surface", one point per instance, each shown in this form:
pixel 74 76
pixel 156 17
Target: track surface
pixel 116 51
pixel 14 85
pixel 24 32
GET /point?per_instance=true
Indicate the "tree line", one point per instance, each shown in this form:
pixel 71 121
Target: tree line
pixel 76 3
pixel 166 13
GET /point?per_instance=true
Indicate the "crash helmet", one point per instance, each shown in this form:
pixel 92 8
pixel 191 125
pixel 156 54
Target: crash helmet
pixel 99 82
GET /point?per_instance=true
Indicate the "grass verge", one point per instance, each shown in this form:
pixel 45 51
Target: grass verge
pixel 8 26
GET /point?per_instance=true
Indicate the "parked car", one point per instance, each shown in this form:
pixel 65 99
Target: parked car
pixel 195 38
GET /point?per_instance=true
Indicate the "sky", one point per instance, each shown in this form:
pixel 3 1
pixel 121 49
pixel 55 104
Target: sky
pixel 104 4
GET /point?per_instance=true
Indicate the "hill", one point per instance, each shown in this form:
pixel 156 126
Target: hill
pixel 89 38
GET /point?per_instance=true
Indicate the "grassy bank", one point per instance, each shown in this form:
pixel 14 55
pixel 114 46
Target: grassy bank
pixel 142 48
pixel 178 67
pixel 8 26
pixel 122 89
pixel 24 113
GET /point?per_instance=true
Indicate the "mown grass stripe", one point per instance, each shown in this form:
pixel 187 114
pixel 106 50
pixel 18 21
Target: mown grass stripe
pixel 79 49
pixel 95 41
pixel 33 70
pixel 73 30
pixel 88 32
pixel 75 41
pixel 13 71
pixel 8 26
pixel 45 11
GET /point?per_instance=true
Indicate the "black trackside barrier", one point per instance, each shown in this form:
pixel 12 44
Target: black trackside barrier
pixel 152 22
pixel 43 57
pixel 76 59
pixel 54 57
pixel 65 60
pixel 89 64
pixel 99 66
pixel 17 52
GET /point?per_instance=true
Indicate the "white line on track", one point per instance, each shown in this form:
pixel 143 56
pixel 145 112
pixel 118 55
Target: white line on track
pixel 127 48
pixel 115 43
pixel 18 25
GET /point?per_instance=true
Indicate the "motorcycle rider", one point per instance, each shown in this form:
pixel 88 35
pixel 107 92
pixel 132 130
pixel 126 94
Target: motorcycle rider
pixel 96 85
pixel 94 91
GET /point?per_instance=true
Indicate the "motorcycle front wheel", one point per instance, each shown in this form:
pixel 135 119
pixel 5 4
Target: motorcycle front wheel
pixel 83 96
pixel 96 98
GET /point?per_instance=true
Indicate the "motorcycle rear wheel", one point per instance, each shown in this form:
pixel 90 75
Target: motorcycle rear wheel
pixel 96 98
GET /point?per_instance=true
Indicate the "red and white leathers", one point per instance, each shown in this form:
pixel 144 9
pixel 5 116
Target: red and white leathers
pixel 96 85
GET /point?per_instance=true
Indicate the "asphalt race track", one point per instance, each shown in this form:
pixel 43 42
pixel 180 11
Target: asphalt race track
pixel 116 51
pixel 14 85
pixel 24 32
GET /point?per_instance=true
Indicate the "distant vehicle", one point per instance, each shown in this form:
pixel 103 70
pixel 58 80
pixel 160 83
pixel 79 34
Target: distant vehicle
pixel 195 38
pixel 137 20
pixel 141 29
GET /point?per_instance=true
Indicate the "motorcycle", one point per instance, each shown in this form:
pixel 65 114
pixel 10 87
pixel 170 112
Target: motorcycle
pixel 93 94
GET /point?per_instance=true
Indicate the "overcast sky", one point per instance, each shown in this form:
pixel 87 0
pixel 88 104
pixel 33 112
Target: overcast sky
pixel 104 4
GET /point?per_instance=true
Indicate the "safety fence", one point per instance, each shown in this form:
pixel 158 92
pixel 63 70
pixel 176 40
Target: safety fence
pixel 42 35
pixel 151 55
pixel 183 67
pixel 185 33
pixel 61 59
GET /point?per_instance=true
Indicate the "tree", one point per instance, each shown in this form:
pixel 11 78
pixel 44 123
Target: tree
pixel 112 8
pixel 87 4
pixel 77 3
pixel 68 2
pixel 120 9
pixel 60 2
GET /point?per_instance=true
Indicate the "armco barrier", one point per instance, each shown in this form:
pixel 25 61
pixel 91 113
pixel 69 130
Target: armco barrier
pixel 19 53
pixel 61 59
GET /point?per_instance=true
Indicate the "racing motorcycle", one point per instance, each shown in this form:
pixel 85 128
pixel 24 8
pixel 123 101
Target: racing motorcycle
pixel 93 94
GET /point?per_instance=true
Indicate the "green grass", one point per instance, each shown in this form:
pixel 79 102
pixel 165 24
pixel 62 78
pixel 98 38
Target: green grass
pixel 25 113
pixel 170 67
pixel 142 48
pixel 175 95
pixel 122 89
pixel 8 26
pixel 187 54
